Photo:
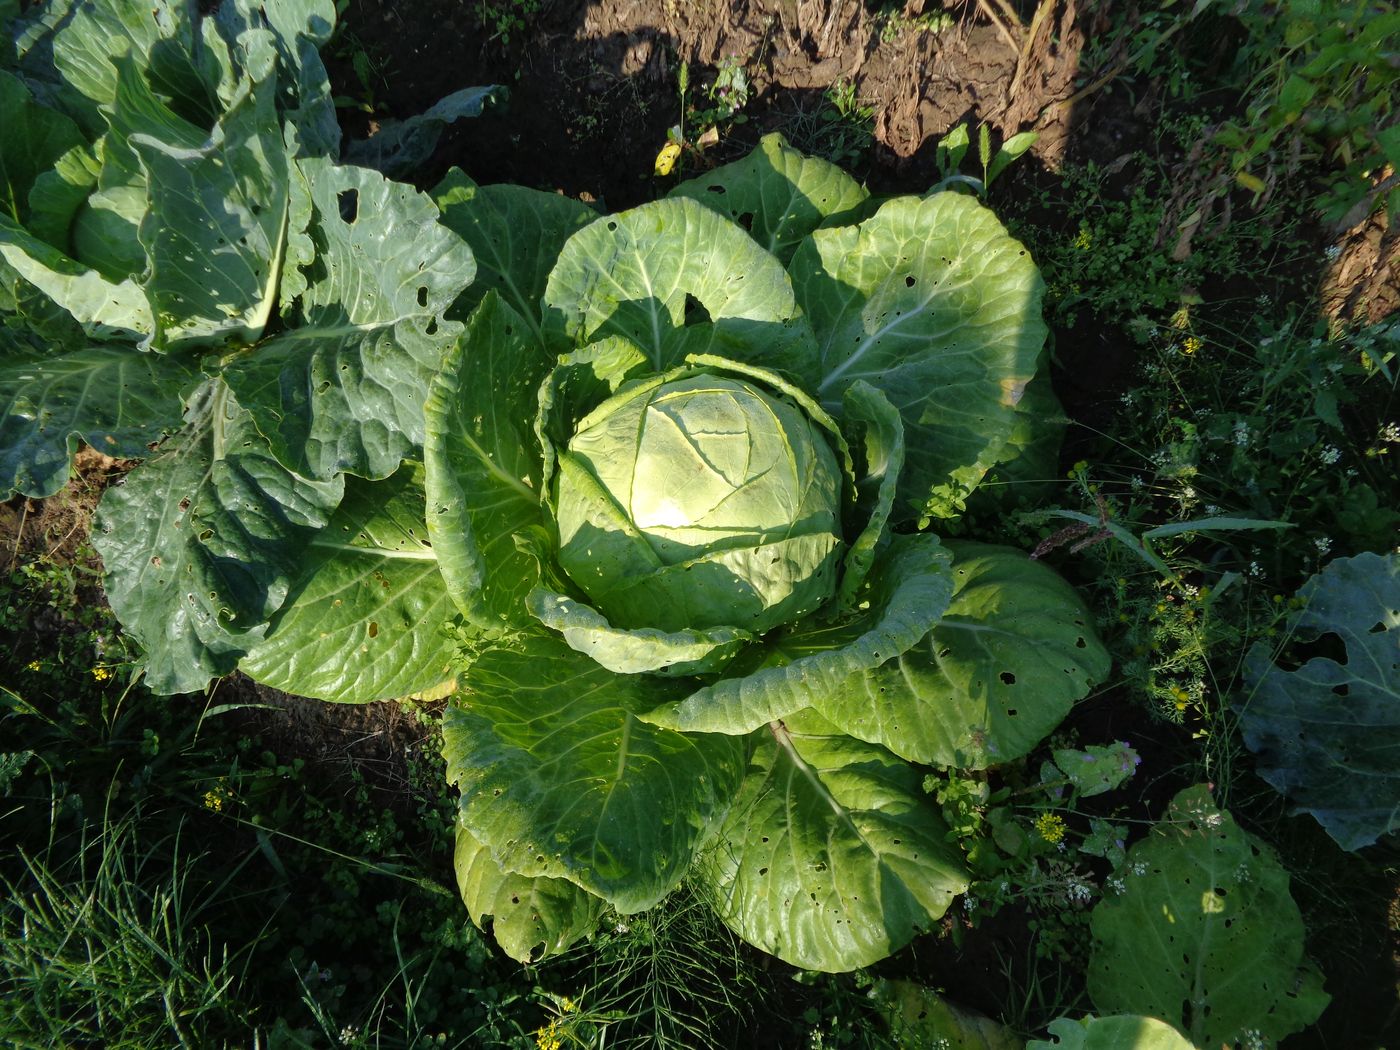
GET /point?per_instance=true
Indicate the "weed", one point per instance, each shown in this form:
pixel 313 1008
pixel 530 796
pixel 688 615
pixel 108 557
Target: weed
pixel 841 128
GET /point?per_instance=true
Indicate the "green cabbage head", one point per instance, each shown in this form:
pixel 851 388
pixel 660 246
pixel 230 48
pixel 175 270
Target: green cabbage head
pixel 700 502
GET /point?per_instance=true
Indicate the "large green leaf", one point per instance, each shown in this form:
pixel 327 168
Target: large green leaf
pixel 996 674
pixel 674 278
pixel 933 303
pixel 832 857
pixel 399 148
pixel 1204 934
pixel 561 779
pixel 105 308
pixel 877 434
pixel 635 650
pixel 32 138
pixel 345 390
pixel 300 28
pixel 905 595
pixel 364 618
pixel 778 194
pixel 1123 1032
pixel 483 469
pixel 920 1017
pixel 1027 468
pixel 531 919
pixel 214 230
pixel 1327 733
pixel 115 398
pixel 162 40
pixel 516 234
pixel 201 543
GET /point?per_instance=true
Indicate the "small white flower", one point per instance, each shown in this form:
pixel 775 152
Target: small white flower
pixel 1329 454
pixel 1389 434
pixel 1255 569
pixel 1241 433
pixel 1116 884
pixel 1139 867
pixel 1332 252
pixel 1323 544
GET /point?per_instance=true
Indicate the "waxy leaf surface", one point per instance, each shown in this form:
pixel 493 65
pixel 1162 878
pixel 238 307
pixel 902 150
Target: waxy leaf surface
pixel 561 779
pixel 1327 733
pixel 832 856
pixel 364 618
pixel 1204 934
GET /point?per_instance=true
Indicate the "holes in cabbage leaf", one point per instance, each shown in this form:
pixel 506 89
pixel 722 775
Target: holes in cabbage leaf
pixel 746 221
pixel 1007 678
pixel 349 203
pixel 695 312
pixel 422 295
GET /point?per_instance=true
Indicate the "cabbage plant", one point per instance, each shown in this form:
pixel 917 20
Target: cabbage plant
pixel 675 471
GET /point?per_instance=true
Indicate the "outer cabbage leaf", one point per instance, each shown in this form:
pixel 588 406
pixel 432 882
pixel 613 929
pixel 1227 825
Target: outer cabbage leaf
pixel 32 138
pixel 919 1017
pixel 345 390
pixel 778 194
pixel 104 308
pixel 364 618
pixel 832 857
pixel 180 59
pixel 905 595
pixel 635 650
pixel 992 678
pixel 58 195
pixel 1327 733
pixel 214 230
pixel 675 278
pixel 1204 934
pixel 515 233
pixel 880 441
pixel 933 303
pixel 300 28
pixel 483 474
pixel 1123 1032
pixel 401 147
pixel 561 779
pixel 116 399
pixel 531 919
pixel 201 543
pixel 1027 468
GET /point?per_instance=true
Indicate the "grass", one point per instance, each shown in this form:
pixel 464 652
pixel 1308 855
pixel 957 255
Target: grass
pixel 107 946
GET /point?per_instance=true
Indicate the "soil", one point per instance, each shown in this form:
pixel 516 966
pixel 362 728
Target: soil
pixel 593 90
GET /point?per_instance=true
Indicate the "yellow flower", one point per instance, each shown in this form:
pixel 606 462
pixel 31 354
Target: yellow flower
pixel 33 665
pixel 213 800
pixel 1181 320
pixel 548 1038
pixel 666 159
pixel 1051 827
pixel 101 674
pixel 1084 241
pixel 1191 345
pixel 567 1005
